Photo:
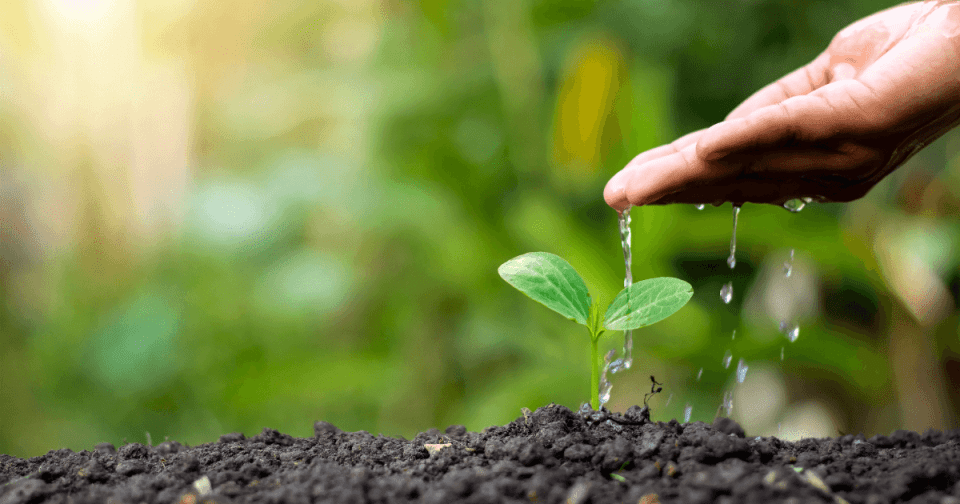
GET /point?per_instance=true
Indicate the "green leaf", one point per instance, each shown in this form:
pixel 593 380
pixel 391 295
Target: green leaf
pixel 650 301
pixel 548 279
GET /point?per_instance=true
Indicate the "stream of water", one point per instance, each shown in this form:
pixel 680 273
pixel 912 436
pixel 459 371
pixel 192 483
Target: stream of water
pixel 626 360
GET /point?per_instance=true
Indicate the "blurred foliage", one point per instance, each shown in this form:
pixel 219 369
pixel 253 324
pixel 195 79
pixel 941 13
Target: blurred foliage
pixel 350 176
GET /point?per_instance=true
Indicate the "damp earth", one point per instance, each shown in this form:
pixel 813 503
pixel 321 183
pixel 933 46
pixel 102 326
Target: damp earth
pixel 551 455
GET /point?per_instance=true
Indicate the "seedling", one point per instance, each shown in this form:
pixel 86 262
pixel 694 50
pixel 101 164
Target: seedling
pixel 550 280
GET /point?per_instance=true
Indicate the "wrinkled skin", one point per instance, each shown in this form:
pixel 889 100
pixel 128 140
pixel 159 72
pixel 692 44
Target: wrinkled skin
pixel 887 86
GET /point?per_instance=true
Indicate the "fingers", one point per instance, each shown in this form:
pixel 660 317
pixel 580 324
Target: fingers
pixel 614 193
pixel 648 182
pixel 801 81
pixel 773 176
pixel 843 107
pixel 839 174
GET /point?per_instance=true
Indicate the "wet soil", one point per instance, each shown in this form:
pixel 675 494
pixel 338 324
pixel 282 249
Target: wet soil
pixel 552 455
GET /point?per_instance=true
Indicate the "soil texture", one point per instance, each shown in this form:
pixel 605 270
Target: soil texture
pixel 552 455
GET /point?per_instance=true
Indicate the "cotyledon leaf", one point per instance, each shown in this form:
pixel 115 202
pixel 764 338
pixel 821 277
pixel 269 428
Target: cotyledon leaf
pixel 551 281
pixel 650 301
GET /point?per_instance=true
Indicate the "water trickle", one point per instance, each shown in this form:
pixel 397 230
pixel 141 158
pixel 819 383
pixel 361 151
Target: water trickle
pixel 742 371
pixel 624 222
pixel 687 410
pixel 732 260
pixel 700 206
pixel 788 266
pixel 734 335
pixel 781 354
pixel 795 205
pixel 605 385
pixel 699 374
pixel 727 357
pixel 605 393
pixel 727 402
pixel 726 292
pixel 669 398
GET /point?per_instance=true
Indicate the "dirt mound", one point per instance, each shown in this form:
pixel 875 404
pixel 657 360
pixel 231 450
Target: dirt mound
pixel 552 455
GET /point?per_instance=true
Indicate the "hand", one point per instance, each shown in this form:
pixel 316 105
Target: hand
pixel 886 87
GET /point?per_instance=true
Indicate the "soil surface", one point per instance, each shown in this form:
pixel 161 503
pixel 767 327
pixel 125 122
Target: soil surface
pixel 552 455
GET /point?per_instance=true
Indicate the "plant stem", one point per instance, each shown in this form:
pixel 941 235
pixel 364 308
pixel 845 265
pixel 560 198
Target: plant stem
pixel 595 371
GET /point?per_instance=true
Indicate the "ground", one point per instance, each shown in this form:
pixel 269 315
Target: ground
pixel 552 455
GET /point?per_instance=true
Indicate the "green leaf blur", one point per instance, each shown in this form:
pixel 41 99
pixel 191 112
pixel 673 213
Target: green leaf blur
pixel 223 216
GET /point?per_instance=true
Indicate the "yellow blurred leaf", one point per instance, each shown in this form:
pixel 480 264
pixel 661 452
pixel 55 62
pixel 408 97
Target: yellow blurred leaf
pixel 587 94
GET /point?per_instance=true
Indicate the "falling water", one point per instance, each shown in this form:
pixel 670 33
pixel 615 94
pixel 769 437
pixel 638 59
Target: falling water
pixel 605 385
pixel 727 357
pixel 669 398
pixel 727 404
pixel 788 266
pixel 792 332
pixel 686 412
pixel 726 292
pixel 732 260
pixel 700 206
pixel 627 359
pixel 781 354
pixel 734 335
pixel 742 371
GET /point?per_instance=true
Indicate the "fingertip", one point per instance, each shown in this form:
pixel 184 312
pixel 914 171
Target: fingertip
pixel 615 193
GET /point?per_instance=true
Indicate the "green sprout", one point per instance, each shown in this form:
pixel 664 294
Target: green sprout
pixel 550 280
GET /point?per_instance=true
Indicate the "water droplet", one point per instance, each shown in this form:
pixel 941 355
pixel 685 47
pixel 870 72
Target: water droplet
pixel 779 427
pixel 687 410
pixel 734 335
pixel 742 371
pixel 727 357
pixel 794 205
pixel 726 292
pixel 732 260
pixel 728 402
pixel 669 398
pixel 700 206
pixel 781 354
pixel 788 266
pixel 794 333
pixel 699 374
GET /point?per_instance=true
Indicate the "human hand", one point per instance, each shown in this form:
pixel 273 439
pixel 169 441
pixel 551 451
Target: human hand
pixel 886 86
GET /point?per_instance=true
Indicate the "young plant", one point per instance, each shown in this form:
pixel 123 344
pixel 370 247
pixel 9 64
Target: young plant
pixel 552 281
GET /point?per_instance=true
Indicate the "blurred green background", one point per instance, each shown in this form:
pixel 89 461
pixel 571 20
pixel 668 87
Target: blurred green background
pixel 224 216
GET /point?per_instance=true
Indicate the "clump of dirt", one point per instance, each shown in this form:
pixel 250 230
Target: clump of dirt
pixel 552 455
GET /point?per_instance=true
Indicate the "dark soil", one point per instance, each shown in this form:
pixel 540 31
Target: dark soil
pixel 552 455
